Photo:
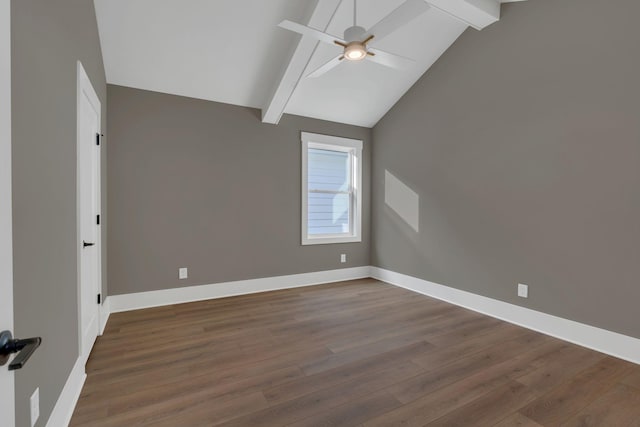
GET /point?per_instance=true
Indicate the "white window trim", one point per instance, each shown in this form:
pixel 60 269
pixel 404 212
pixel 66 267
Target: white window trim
pixel 354 146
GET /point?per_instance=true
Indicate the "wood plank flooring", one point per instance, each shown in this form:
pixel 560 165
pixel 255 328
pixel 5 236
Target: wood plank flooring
pixel 359 353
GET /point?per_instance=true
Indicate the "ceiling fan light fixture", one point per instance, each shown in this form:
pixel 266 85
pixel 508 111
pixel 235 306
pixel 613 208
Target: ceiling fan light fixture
pixel 355 51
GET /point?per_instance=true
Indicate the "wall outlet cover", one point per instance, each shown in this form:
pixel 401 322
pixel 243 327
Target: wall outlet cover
pixel 523 290
pixel 343 258
pixel 183 273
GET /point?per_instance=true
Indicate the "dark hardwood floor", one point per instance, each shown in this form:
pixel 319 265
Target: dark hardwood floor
pixel 351 353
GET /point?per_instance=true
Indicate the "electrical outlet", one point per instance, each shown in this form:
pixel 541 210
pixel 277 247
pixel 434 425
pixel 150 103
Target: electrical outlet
pixel 35 406
pixel 183 273
pixel 343 258
pixel 523 291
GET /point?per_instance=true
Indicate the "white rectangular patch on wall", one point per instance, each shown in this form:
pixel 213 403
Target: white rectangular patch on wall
pixel 402 199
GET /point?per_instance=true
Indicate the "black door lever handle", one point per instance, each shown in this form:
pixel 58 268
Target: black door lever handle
pixel 85 244
pixel 24 348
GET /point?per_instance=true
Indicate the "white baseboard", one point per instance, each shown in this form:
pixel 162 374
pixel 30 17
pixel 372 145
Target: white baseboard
pixel 612 343
pixel 618 345
pixel 604 341
pixel 140 300
pixel 62 412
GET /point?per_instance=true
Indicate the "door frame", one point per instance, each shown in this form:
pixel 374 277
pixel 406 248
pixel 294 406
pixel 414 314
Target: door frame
pixel 85 88
pixel 7 378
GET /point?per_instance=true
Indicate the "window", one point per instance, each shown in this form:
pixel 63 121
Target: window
pixel 331 189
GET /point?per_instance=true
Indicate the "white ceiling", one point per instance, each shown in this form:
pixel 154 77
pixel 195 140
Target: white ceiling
pixel 232 51
pixel 228 51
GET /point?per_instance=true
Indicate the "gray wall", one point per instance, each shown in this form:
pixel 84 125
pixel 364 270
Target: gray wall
pixel 48 37
pixel 523 143
pixel 207 186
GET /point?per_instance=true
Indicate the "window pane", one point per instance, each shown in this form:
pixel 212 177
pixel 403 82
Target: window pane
pixel 328 213
pixel 328 170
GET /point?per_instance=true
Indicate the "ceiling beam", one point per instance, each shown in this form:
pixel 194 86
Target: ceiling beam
pixel 320 19
pixel 475 13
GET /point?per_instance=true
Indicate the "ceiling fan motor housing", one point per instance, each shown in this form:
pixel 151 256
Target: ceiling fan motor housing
pixel 354 33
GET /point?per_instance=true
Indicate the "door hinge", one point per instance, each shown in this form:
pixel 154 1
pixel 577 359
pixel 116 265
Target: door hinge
pixel 98 138
pixel 99 298
pixel 98 219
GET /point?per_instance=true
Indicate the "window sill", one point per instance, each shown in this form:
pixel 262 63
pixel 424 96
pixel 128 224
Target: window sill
pixel 330 240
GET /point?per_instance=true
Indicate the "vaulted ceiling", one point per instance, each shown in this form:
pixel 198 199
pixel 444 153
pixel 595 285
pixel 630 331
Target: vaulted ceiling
pixel 233 51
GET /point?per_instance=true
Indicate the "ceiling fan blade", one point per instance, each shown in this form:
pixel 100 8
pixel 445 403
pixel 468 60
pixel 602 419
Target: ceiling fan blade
pixel 390 59
pixel 326 67
pixel 402 15
pixel 308 31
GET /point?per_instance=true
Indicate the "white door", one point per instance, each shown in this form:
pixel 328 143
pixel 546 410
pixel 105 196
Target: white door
pixel 6 249
pixel 88 211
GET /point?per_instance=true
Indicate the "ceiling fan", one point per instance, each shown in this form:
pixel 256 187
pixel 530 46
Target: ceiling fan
pixel 355 43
